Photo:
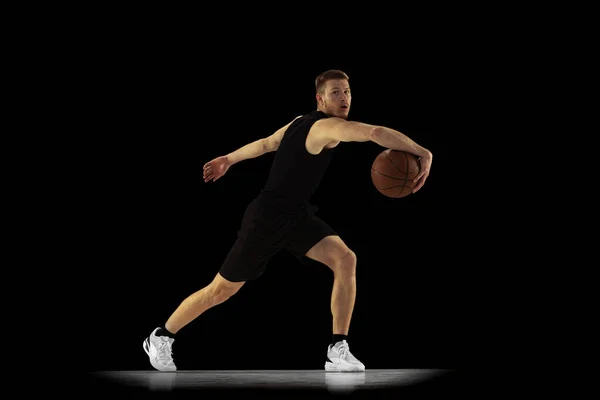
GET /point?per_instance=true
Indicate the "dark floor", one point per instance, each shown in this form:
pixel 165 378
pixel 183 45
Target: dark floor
pixel 276 383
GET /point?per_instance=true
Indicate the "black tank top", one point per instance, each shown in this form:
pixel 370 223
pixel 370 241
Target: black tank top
pixel 295 173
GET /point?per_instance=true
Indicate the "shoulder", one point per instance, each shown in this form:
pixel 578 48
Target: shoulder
pixel 313 116
pixel 325 125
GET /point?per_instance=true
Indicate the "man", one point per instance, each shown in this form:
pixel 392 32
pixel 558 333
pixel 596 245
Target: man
pixel 280 217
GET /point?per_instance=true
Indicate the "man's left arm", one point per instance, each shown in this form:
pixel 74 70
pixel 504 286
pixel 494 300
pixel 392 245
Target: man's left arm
pixel 258 147
pixel 215 169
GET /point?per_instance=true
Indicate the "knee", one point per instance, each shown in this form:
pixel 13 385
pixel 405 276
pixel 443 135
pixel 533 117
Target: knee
pixel 221 293
pixel 344 262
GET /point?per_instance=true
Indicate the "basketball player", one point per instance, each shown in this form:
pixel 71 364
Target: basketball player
pixel 280 217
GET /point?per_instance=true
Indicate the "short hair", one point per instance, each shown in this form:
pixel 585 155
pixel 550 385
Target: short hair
pixel 327 76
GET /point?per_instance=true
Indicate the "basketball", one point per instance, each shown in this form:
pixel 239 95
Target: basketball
pixel 393 172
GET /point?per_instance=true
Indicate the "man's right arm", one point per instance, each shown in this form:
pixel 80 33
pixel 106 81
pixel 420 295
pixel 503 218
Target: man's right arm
pixel 338 129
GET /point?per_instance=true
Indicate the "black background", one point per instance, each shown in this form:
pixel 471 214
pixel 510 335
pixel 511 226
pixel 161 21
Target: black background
pixel 158 233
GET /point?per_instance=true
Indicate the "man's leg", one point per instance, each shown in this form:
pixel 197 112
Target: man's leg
pixel 246 260
pixel 219 290
pixel 159 344
pixel 333 252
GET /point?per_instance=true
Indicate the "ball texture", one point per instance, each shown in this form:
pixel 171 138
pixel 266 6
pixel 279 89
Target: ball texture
pixel 393 173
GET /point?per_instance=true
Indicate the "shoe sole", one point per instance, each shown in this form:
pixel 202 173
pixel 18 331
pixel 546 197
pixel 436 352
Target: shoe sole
pixel 331 367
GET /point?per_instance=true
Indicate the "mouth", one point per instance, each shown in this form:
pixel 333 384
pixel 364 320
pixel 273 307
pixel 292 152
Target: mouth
pixel 344 107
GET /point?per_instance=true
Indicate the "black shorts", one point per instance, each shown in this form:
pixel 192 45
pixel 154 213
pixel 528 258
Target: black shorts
pixel 264 231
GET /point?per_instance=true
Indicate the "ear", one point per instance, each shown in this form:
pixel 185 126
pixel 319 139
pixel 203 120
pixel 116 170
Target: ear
pixel 319 98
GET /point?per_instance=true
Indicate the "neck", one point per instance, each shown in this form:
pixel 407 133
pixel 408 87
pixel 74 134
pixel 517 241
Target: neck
pixel 323 111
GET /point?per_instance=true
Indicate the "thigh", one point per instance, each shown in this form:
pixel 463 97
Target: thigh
pixel 261 235
pixel 247 259
pixel 306 235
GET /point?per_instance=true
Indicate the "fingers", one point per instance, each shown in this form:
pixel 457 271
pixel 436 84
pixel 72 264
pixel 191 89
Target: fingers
pixel 419 176
pixel 207 173
pixel 420 179
pixel 420 184
pixel 213 178
pixel 423 172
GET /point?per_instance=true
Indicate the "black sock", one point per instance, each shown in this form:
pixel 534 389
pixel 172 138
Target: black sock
pixel 338 338
pixel 162 331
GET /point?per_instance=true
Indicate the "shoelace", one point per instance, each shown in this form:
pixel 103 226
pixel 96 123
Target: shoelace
pixel 344 352
pixel 165 351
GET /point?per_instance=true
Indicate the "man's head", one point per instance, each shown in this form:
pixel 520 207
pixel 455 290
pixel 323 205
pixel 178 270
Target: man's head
pixel 333 93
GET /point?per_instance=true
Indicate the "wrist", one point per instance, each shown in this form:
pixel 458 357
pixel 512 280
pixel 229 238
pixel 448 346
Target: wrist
pixel 230 159
pixel 425 154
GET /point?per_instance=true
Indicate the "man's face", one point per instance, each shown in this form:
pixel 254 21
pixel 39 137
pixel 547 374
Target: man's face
pixel 335 99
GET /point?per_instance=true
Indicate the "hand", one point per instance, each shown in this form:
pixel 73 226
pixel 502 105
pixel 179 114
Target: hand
pixel 425 167
pixel 216 168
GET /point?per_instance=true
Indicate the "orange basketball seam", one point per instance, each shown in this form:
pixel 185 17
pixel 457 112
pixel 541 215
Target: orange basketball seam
pixel 399 170
pixel 387 176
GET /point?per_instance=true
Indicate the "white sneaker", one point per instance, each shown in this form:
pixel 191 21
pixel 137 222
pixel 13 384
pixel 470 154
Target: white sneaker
pixel 159 349
pixel 340 359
